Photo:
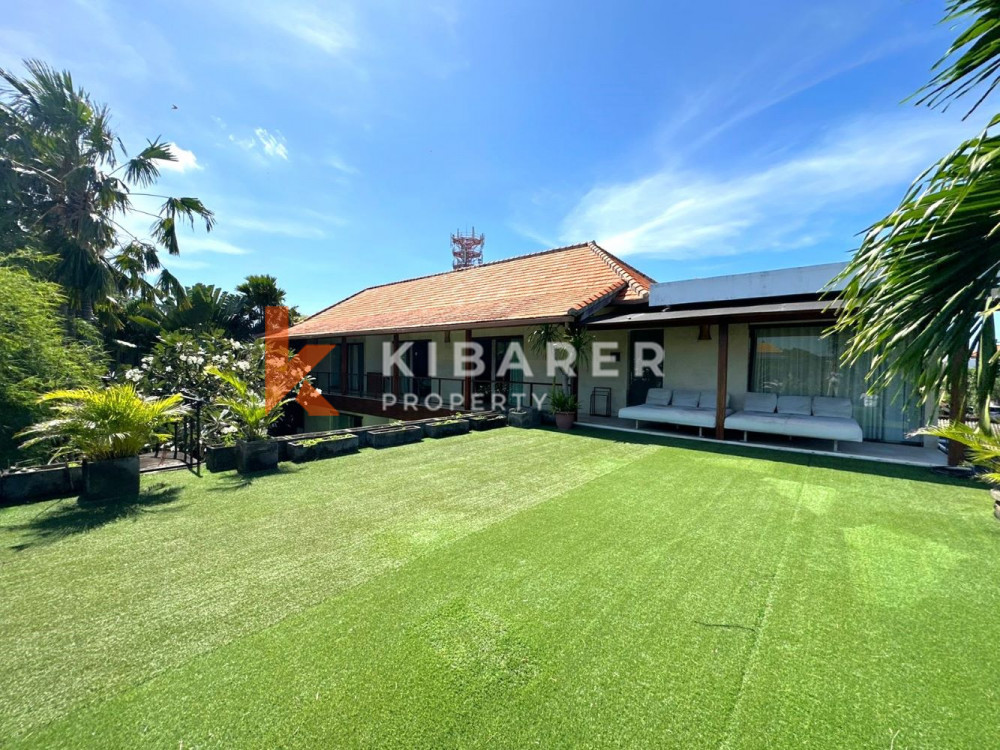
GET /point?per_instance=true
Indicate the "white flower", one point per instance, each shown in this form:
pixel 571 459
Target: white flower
pixel 168 368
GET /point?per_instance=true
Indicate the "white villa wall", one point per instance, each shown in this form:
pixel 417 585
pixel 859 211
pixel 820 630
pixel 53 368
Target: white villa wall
pixel 693 364
pixel 618 383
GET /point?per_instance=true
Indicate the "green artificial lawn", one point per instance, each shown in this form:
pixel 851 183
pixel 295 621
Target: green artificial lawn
pixel 509 588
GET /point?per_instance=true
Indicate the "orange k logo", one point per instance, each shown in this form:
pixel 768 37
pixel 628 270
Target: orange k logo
pixel 282 373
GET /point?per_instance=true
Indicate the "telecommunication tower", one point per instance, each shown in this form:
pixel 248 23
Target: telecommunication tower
pixel 467 249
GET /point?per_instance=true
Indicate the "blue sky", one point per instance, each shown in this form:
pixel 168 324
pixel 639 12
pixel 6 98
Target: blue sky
pixel 341 143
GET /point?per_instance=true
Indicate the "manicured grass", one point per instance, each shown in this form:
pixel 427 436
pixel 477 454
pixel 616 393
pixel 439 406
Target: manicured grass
pixel 509 588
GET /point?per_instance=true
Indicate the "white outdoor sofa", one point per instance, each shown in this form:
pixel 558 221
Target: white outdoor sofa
pixel 797 416
pixel 689 408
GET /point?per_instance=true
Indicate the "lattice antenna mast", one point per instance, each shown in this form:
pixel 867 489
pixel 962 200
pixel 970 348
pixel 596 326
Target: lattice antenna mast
pixel 467 249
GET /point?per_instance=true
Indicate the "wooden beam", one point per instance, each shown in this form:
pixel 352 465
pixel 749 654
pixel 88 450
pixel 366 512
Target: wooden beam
pixel 395 370
pixel 467 388
pixel 343 365
pixel 721 384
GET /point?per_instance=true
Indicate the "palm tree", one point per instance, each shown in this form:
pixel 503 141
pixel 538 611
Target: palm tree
pixel 203 308
pixel 921 286
pixel 114 422
pixel 260 292
pixel 67 185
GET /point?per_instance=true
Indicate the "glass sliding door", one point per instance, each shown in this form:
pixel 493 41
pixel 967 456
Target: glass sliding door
pixel 639 384
pixel 798 360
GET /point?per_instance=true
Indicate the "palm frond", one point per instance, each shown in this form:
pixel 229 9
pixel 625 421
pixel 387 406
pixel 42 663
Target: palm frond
pixel 973 60
pixel 115 422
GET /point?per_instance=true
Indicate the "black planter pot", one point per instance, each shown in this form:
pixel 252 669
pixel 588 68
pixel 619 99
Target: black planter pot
pixel 40 483
pixel 446 428
pixel 257 455
pixel 112 479
pixel 487 423
pixel 394 436
pixel 524 417
pixel 325 448
pixel 220 457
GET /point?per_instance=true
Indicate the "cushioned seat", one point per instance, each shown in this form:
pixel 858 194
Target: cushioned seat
pixel 798 416
pixel 678 407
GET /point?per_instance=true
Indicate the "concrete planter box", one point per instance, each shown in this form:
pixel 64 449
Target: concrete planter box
pixel 524 418
pixel 220 457
pixel 306 450
pixel 112 479
pixel 488 423
pixel 40 483
pixel 446 428
pixel 257 455
pixel 393 436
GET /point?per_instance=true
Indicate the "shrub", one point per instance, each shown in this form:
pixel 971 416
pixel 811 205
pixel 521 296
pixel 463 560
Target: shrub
pixel 115 422
pixel 37 355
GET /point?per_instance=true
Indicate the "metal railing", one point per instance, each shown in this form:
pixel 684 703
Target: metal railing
pixel 374 385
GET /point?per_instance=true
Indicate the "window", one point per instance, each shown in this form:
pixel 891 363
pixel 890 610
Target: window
pixel 798 360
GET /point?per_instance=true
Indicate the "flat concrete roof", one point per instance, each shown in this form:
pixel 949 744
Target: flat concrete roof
pixel 784 282
pixel 735 313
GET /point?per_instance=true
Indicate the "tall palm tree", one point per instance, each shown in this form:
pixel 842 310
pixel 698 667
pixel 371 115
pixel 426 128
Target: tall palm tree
pixel 922 285
pixel 260 292
pixel 67 185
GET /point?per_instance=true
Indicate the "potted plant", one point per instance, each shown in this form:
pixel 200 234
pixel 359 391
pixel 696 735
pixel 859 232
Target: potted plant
pixel 564 406
pixel 983 453
pixel 221 457
pixel 108 428
pixel 396 434
pixel 322 447
pixel 251 416
pixel 441 428
pixel 481 422
pixel 523 416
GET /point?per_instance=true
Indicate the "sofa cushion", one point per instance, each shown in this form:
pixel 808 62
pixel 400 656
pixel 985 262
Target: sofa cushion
pixel 795 405
pixel 761 402
pixel 658 397
pixel 706 399
pixel 685 398
pixel 827 406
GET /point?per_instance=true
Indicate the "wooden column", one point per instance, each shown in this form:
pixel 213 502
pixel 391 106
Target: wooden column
pixel 467 386
pixel 395 370
pixel 343 365
pixel 721 384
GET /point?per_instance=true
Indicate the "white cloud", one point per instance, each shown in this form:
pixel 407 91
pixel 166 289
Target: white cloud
pixel 313 25
pixel 301 230
pixel 682 213
pixel 273 144
pixel 198 244
pixel 341 166
pixel 263 143
pixel 184 160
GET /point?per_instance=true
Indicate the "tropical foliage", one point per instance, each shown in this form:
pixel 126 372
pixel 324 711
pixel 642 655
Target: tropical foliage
pixel 247 408
pixel 38 353
pixel 98 424
pixel 983 449
pixel 68 186
pixel 922 285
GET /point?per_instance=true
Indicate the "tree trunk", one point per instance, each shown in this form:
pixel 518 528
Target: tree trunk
pixel 87 309
pixel 986 372
pixel 958 375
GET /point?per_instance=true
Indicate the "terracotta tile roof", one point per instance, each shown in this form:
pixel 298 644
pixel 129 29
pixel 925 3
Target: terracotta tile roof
pixel 553 285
